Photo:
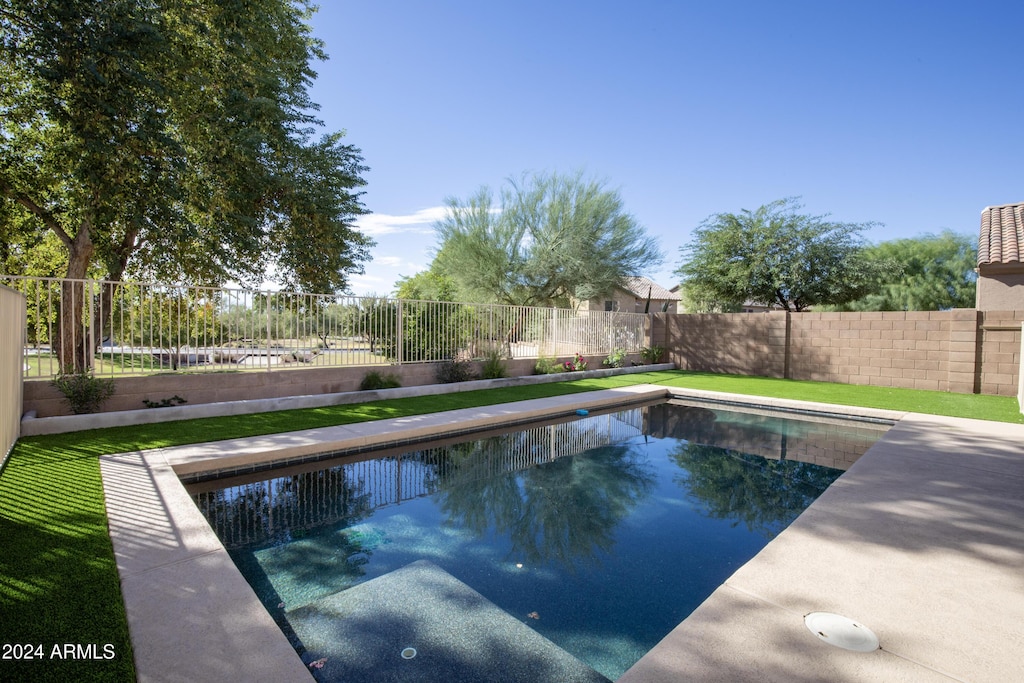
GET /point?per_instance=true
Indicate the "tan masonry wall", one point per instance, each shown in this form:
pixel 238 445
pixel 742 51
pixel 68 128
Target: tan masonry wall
pixel 213 387
pixel 962 350
pixel 12 341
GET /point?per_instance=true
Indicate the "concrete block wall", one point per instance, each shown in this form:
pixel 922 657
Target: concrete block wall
pixel 961 350
pixel 730 343
pixel 1000 352
pixel 893 349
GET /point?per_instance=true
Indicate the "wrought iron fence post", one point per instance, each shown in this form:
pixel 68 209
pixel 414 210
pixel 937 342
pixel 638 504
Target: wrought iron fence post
pixel 267 346
pixel 400 333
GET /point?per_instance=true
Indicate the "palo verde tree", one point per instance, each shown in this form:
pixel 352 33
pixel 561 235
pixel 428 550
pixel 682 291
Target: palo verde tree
pixel 174 140
pixel 777 255
pixel 550 239
pixel 937 272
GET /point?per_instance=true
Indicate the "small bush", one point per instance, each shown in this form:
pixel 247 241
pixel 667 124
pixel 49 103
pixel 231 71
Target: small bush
pixel 652 354
pixel 375 380
pixel 84 392
pixel 547 366
pixel 615 358
pixel 494 365
pixel 454 370
pixel 577 363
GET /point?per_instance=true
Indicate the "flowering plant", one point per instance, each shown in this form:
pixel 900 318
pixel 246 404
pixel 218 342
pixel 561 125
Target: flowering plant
pixel 577 363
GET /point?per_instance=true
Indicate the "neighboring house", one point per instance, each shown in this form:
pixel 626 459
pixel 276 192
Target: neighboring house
pixel 632 298
pixel 1001 259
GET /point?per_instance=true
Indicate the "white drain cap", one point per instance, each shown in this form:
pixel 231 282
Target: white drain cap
pixel 841 631
pixel 408 653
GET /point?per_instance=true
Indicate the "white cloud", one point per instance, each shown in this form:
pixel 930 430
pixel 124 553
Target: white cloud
pixel 385 224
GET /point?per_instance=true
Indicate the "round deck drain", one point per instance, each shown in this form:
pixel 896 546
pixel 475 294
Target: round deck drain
pixel 841 631
pixel 408 653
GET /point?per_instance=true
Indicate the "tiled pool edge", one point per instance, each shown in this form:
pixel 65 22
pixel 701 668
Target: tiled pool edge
pixel 189 616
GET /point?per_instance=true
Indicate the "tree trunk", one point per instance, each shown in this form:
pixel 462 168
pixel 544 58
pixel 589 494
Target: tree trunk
pixel 73 347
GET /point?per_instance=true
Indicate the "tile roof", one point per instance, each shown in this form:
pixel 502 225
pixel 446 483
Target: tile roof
pixel 1002 234
pixel 639 286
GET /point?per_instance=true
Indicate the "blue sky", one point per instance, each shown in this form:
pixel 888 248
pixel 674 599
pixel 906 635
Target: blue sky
pixel 908 113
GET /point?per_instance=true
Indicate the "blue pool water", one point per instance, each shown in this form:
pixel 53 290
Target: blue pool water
pixel 601 533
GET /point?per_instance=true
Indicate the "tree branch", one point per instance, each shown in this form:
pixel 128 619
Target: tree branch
pixel 49 220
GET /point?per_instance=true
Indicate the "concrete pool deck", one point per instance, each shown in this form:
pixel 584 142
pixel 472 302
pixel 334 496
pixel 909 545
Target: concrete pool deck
pixel 922 541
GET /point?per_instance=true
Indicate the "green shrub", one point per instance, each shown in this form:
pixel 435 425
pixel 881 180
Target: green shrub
pixel 652 354
pixel 84 392
pixel 615 358
pixel 494 365
pixel 454 370
pixel 375 380
pixel 547 365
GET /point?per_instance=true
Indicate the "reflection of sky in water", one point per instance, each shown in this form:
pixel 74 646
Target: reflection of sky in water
pixel 602 552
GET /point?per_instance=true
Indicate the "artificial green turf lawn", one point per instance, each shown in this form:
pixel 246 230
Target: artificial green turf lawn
pixel 58 579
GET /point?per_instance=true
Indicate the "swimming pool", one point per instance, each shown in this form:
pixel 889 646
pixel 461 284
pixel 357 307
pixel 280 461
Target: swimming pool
pixel 600 534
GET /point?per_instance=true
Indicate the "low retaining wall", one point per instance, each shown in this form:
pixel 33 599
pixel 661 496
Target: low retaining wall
pixel 32 426
pixel 219 387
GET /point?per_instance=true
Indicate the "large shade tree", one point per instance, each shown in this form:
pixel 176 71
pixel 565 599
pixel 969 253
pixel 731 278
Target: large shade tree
pixel 778 255
pixel 549 239
pixel 174 140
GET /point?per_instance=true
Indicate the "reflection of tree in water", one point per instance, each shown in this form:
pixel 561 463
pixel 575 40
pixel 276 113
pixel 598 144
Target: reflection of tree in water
pixel 564 510
pixel 766 495
pixel 291 513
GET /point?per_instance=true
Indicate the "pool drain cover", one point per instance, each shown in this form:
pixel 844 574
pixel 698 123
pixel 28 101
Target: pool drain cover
pixel 408 653
pixel 841 631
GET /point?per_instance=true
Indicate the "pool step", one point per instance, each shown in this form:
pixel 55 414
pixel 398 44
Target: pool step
pixel 420 623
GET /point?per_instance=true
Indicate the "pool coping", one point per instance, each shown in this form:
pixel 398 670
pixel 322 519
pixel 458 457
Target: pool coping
pixel 192 616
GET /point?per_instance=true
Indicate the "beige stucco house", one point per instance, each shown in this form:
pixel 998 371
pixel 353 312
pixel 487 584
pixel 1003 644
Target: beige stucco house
pixel 1001 259
pixel 632 298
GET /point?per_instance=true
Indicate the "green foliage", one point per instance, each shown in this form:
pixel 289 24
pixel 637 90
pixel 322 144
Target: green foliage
pixel 615 358
pixel 173 140
pixel 84 392
pixel 576 364
pixel 936 273
pixel 550 238
pixel 375 380
pixel 698 299
pixel 652 354
pixel 428 285
pixel 777 255
pixel 547 365
pixel 494 364
pixel 454 370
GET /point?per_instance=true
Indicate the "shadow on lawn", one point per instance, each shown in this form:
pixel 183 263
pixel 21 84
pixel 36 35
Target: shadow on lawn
pixel 58 581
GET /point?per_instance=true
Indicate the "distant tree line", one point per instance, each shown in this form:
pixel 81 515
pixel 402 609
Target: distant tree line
pixel 777 256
